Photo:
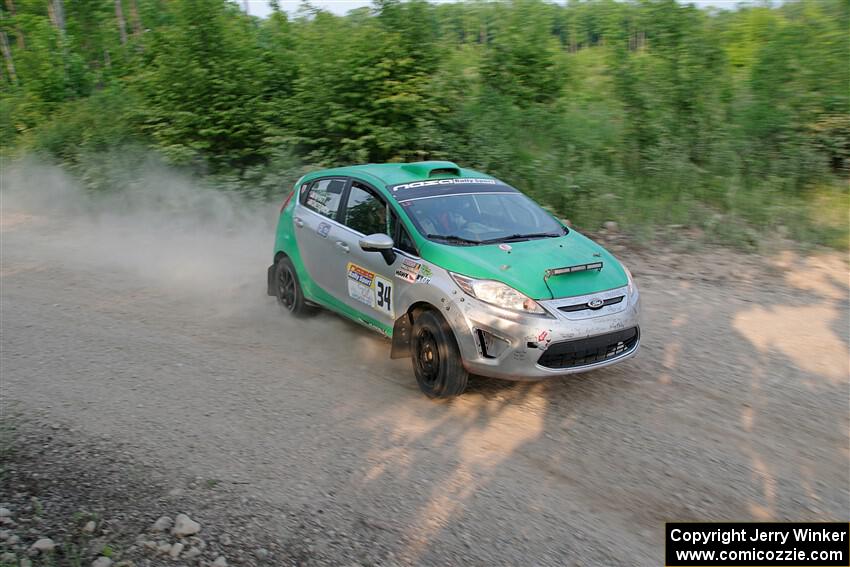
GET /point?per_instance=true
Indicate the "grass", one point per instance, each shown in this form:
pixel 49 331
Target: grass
pixel 747 219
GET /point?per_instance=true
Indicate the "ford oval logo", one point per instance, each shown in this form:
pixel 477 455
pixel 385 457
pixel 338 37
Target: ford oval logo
pixel 595 303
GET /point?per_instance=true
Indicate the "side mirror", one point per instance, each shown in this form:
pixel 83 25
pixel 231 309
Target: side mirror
pixel 379 243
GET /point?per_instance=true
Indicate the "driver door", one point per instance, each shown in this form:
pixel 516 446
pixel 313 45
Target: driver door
pixel 371 285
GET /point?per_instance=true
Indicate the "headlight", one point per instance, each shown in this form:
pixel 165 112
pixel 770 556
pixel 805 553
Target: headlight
pixel 499 294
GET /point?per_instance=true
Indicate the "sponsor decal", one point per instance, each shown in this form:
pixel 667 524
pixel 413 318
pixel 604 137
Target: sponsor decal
pixel 360 284
pixel 360 275
pixel 408 271
pixel 413 272
pixel 432 182
pixel 369 288
pixel 319 202
pixel 324 229
pixel 542 338
pixel 505 247
pixel 425 274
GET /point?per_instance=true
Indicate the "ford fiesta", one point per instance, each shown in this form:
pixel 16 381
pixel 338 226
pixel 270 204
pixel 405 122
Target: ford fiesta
pixel 463 272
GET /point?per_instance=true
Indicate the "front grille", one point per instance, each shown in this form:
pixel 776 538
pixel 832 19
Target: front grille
pixel 583 306
pixel 581 352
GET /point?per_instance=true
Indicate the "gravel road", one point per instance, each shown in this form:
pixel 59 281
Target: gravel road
pixel 161 341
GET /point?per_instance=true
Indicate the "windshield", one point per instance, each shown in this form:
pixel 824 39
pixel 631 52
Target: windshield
pixel 481 218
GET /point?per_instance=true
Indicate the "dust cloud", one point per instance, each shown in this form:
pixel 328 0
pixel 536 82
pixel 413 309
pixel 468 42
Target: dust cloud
pixel 166 232
pixel 161 226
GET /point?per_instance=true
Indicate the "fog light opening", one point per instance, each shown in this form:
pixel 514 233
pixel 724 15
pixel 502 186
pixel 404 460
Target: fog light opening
pixel 490 345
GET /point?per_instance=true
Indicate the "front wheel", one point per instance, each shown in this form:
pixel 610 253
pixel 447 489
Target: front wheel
pixel 437 363
pixel 288 288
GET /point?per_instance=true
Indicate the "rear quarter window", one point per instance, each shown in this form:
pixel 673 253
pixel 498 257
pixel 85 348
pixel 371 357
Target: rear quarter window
pixel 323 196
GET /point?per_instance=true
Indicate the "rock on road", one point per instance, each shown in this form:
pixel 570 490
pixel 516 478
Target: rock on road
pixel 735 409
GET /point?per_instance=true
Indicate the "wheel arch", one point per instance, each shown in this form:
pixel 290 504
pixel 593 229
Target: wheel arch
pixel 403 327
pixel 271 273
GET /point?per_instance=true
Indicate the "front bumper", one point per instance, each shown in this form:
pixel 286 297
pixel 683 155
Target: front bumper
pixel 574 338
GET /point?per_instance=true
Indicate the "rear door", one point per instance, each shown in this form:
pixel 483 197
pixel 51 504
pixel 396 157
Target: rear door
pixel 316 229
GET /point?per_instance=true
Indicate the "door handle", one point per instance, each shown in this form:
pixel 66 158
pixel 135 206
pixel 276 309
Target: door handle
pixel 298 222
pixel 344 246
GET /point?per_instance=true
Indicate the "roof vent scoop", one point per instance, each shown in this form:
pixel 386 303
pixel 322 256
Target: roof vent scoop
pixel 453 171
pixel 424 169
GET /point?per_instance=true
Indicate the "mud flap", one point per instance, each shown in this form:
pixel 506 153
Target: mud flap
pixel 401 337
pixel 270 281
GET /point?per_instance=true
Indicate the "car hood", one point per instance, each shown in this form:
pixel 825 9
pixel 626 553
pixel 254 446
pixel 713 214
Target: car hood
pixel 524 265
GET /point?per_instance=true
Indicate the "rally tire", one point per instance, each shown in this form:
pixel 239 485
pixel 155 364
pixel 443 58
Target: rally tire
pixel 436 358
pixel 288 289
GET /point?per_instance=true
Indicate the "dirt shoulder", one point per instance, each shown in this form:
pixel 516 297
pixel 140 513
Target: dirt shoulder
pixel 67 498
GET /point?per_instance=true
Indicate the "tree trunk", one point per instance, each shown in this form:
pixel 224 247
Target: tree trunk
pixel 245 6
pixel 19 33
pixel 134 18
pixel 56 10
pixel 7 56
pixel 57 14
pixel 122 27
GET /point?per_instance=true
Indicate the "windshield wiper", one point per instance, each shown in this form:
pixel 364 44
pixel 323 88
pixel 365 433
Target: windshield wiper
pixel 453 238
pixel 528 236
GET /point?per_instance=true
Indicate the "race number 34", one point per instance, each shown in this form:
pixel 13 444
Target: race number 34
pixel 383 295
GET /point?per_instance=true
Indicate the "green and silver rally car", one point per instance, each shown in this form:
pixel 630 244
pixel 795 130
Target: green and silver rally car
pixel 463 272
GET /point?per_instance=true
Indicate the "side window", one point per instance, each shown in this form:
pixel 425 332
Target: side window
pixel 324 196
pixel 365 213
pixel 402 239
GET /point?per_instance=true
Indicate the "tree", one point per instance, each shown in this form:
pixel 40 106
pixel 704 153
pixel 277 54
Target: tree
pixel 206 88
pixel 362 85
pixel 522 59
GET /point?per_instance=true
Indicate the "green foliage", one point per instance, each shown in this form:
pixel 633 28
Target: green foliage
pixel 652 113
pixel 363 84
pixel 209 85
pixel 85 126
pixel 522 60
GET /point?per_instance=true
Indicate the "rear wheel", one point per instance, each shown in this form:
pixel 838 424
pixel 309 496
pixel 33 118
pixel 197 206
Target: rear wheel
pixel 288 289
pixel 437 363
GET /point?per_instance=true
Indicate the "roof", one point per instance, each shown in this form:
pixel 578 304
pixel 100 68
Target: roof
pixel 389 174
